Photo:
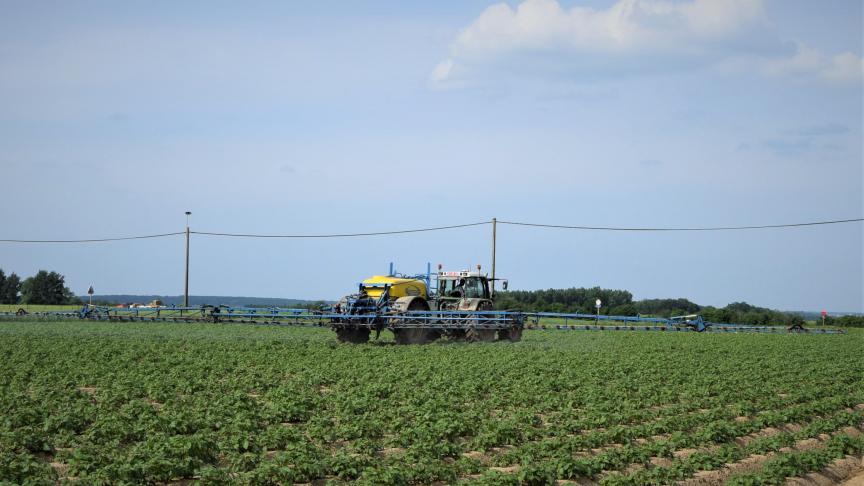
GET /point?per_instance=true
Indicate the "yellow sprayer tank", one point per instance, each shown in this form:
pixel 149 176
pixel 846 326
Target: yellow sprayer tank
pixel 399 287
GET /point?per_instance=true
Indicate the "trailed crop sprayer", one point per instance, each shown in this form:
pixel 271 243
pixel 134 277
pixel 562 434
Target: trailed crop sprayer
pixel 456 305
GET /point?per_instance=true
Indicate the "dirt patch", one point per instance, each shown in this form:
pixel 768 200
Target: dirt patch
pixel 391 451
pixel 835 473
pixel 580 482
pixel 684 453
pixel 858 480
pixel 653 438
pixel 506 470
pixel 807 444
pixel 499 450
pixel 153 403
pixel 60 468
pixel 477 456
pixel 761 434
pixel 751 464
pixel 90 390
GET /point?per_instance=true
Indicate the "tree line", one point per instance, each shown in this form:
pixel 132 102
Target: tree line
pixel 44 288
pixel 621 303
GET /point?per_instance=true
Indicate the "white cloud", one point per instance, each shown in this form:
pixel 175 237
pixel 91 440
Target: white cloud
pixel 442 70
pixel 540 37
pixel 845 67
pixel 808 61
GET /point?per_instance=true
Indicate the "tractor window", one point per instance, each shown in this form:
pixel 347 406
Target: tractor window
pixel 475 288
pixel 446 287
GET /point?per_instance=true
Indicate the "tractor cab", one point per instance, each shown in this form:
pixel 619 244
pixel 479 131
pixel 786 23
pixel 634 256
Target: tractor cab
pixel 463 285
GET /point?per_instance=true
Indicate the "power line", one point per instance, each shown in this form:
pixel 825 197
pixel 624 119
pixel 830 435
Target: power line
pixel 345 235
pixel 710 228
pixel 95 240
pixel 440 228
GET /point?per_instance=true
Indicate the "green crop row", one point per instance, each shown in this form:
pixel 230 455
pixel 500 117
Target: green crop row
pixel 103 402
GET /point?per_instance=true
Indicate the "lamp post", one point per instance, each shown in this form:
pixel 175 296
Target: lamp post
pixel 597 304
pixel 186 287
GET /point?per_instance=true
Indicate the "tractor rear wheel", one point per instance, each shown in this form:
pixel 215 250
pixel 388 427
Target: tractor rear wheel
pixel 513 334
pixel 353 336
pixel 474 334
pixel 480 335
pixel 414 335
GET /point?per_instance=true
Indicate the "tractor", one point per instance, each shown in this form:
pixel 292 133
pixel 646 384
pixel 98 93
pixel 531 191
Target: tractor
pixel 459 306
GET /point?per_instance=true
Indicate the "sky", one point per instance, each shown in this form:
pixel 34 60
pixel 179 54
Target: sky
pixel 342 117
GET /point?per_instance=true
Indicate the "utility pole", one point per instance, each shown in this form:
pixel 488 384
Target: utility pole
pixel 494 229
pixel 186 288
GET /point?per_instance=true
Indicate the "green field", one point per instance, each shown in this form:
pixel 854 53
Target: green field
pixel 159 402
pixel 31 308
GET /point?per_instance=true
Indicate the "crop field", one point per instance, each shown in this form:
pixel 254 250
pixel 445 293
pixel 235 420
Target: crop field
pixel 38 308
pixel 100 402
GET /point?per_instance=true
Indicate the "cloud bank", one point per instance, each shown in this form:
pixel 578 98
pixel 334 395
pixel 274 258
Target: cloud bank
pixel 541 38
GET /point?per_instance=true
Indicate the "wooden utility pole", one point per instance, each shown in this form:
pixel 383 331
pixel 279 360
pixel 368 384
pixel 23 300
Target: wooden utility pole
pixel 494 229
pixel 186 287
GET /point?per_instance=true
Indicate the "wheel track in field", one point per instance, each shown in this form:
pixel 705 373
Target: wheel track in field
pixel 672 409
pixel 649 439
pixel 848 471
pixel 741 442
pixel 748 463
pixel 755 462
pixel 608 443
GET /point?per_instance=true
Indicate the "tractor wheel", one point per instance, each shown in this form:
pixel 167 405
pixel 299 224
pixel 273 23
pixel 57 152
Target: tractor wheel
pixel 473 334
pixel 353 336
pixel 457 335
pixel 513 334
pixel 480 335
pixel 415 335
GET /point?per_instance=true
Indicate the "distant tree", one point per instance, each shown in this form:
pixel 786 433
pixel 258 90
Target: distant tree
pixel 795 320
pixel 624 310
pixel 844 321
pixel 743 307
pixel 666 307
pixel 46 288
pixel 9 287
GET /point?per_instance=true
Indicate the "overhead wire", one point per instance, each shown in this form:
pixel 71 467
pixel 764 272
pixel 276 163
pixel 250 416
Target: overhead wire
pixel 95 240
pixel 440 228
pixel 345 235
pixel 709 228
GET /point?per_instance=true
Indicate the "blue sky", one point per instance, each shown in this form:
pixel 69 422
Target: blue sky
pixel 321 117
